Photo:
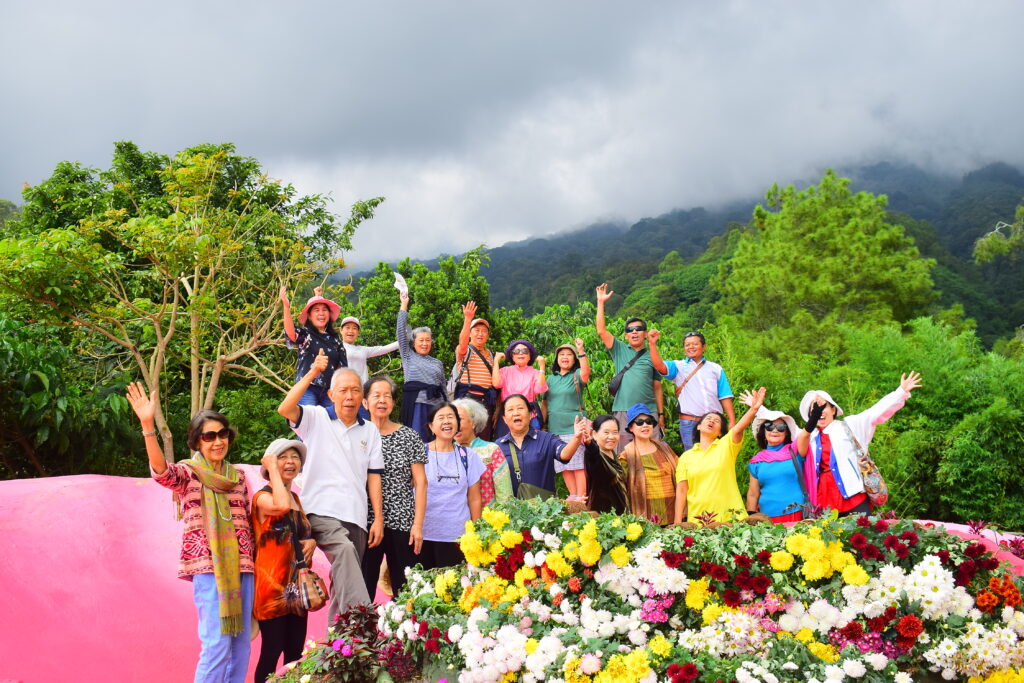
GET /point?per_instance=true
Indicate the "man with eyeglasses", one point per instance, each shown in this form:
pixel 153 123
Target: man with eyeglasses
pixel 638 380
pixel 701 386
pixel 343 468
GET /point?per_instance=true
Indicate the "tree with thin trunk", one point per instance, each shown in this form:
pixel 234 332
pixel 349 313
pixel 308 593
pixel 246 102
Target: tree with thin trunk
pixel 174 261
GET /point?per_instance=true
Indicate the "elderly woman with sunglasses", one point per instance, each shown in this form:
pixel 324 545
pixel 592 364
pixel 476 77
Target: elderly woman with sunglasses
pixel 706 488
pixel 777 486
pixel 217 543
pixel 520 378
pixel 650 468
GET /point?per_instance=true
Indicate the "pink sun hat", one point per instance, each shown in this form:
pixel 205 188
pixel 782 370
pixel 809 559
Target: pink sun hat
pixel 333 308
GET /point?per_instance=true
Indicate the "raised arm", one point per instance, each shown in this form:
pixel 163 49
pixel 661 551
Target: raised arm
pixel 540 383
pixel 659 399
pixel 652 345
pixel 584 361
pixel 468 313
pixel 602 296
pixel 496 370
pixel 145 409
pixel 402 325
pixel 289 408
pixel 757 400
pixel 280 499
pixel 286 313
pixel 579 436
pixel 803 439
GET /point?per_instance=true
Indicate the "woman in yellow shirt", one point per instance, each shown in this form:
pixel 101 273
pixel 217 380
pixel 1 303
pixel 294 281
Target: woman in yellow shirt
pixel 706 474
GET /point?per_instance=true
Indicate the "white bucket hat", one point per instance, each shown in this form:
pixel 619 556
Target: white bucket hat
pixel 808 399
pixel 765 415
pixel 279 446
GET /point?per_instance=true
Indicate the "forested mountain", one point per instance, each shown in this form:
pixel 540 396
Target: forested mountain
pixel 945 215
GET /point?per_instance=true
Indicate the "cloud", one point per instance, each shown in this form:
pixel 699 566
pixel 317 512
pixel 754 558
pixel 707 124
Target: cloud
pixel 484 123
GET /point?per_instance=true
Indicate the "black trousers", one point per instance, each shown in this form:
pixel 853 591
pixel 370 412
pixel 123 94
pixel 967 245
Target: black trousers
pixel 441 554
pixel 281 635
pixel 400 555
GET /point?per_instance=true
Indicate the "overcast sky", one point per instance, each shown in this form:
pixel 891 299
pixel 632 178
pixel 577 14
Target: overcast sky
pixel 485 121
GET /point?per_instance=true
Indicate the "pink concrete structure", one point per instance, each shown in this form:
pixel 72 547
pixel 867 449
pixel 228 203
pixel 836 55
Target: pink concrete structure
pixel 89 583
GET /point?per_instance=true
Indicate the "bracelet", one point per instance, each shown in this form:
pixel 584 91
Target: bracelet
pixel 751 512
pixel 152 433
pixel 582 355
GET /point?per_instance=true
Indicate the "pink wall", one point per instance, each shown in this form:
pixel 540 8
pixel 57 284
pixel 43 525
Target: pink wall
pixel 90 587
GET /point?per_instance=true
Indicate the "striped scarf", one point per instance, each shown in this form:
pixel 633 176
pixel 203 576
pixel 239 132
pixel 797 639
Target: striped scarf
pixel 220 532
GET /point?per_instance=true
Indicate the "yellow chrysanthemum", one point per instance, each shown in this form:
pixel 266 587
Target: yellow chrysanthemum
pixel 531 645
pixel 1003 676
pixel 524 574
pixel 855 575
pixel 496 548
pixel 571 551
pixel 804 635
pixel 620 555
pixel 557 564
pixel 826 653
pixel 815 532
pixel 589 531
pixel 816 568
pixel 780 561
pixel 697 593
pixel 496 518
pixel 711 612
pixel 590 553
pixel 659 646
pixel 510 538
pixel 571 669
pixel 634 531
pixel 796 543
pixel 509 677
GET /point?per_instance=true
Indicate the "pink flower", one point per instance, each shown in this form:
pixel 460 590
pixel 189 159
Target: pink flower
pixel 346 650
pixel 337 645
pixel 590 664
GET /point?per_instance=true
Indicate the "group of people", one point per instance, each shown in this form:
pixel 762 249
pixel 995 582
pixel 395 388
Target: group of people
pixel 376 490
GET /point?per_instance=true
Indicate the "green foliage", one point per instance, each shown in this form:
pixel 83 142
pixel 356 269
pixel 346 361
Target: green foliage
pixel 53 420
pixel 175 261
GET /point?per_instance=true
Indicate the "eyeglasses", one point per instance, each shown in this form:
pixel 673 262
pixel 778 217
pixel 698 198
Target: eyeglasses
pixel 519 350
pixel 771 427
pixel 645 421
pixel 224 434
pixel 636 328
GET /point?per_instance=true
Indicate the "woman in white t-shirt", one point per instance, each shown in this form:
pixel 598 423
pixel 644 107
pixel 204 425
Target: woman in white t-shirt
pixel 453 490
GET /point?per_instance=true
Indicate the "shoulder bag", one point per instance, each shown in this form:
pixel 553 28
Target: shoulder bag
pixel 693 372
pixel 613 386
pixel 526 491
pixel 874 485
pixel 312 589
pixel 579 391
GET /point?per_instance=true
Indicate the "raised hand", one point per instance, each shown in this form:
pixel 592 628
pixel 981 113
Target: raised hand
pixel 542 363
pixel 757 398
pixel 813 415
pixel 910 381
pixel 469 310
pixel 581 428
pixel 144 405
pixel 283 295
pixel 499 357
pixel 403 297
pixel 602 293
pixel 653 335
pixel 269 460
pixel 746 398
pixel 319 363
pixel 579 345
pixel 318 291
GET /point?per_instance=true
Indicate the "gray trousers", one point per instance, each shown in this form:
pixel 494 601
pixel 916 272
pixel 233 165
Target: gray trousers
pixel 344 544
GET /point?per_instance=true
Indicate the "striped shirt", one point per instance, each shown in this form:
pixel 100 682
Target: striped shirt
pixel 476 371
pixel 415 366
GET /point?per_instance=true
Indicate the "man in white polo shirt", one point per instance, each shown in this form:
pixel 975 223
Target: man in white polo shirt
pixel 343 462
pixel 701 386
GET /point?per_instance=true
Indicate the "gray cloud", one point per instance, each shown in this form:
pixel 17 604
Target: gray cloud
pixel 483 122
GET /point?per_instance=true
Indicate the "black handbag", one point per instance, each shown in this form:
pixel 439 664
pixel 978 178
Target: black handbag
pixel 613 386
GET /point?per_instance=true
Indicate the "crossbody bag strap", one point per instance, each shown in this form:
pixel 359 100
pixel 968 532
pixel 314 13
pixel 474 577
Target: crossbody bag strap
pixel 799 472
pixel 515 460
pixel 300 558
pixel 861 453
pixel 473 349
pixel 693 372
pixel 635 358
pixel 579 392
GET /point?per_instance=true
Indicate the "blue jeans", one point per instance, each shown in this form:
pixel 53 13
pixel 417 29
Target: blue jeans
pixel 223 658
pixel 317 396
pixel 686 426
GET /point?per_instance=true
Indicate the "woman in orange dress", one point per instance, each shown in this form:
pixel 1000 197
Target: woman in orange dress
pixel 276 515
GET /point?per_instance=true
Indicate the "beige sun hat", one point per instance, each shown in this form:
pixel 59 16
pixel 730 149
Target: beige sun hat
pixel 808 399
pixel 279 446
pixel 764 415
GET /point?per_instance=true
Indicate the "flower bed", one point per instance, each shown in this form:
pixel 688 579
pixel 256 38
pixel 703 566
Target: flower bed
pixel 577 599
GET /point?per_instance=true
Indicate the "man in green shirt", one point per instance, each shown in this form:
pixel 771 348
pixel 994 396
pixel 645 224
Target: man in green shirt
pixel 641 383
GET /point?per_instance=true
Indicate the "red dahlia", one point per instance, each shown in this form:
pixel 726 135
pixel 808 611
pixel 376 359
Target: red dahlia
pixel 852 631
pixel 909 626
pixel 731 598
pixel 858 541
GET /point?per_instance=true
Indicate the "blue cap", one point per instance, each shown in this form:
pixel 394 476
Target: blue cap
pixel 635 411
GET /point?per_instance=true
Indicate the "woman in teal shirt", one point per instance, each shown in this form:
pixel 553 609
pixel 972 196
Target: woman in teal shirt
pixel 562 404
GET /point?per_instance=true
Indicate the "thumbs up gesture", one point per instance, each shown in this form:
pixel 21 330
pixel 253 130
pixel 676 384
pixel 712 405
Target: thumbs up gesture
pixel 319 363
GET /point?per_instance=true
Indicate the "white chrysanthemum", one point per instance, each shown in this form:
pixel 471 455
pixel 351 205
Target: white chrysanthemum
pixel 877 661
pixel 854 668
pixel 902 677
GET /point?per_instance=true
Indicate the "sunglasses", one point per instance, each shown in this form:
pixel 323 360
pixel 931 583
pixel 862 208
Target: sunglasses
pixel 645 421
pixel 636 328
pixel 520 350
pixel 224 434
pixel 771 427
